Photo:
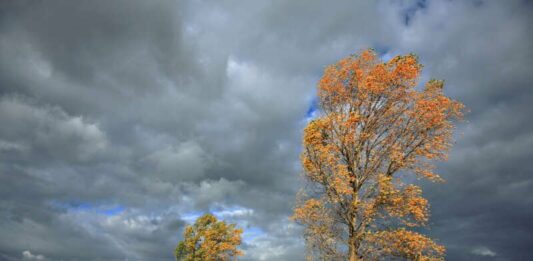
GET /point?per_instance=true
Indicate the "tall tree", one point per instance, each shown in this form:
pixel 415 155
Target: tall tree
pixel 209 240
pixel 375 128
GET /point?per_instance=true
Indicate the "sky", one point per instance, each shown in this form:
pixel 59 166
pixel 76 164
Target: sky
pixel 121 121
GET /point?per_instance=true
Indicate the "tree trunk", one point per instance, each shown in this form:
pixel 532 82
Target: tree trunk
pixel 353 240
pixel 353 256
pixel 352 247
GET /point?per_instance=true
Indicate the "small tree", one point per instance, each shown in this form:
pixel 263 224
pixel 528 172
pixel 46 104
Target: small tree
pixel 374 125
pixel 209 240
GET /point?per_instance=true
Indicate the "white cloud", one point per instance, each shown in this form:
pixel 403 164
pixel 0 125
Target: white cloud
pixel 27 255
pixel 483 251
pixel 209 192
pixel 49 130
pixel 233 212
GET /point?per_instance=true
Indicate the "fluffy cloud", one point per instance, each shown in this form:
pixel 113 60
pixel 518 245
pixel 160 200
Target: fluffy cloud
pixel 27 255
pixel 48 131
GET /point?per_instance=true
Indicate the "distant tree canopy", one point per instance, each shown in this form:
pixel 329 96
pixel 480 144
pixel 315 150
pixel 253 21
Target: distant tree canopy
pixel 374 124
pixel 209 240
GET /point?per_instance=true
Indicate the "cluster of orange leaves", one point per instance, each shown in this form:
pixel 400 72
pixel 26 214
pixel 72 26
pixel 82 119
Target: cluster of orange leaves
pixel 209 240
pixel 375 123
pixel 403 244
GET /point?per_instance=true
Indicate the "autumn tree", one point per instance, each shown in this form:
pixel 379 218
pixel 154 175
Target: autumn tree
pixel 376 127
pixel 209 240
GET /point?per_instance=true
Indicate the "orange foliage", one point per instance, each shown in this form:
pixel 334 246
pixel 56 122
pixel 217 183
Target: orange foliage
pixel 374 123
pixel 402 243
pixel 209 240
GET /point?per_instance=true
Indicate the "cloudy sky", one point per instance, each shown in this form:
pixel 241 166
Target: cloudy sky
pixel 122 121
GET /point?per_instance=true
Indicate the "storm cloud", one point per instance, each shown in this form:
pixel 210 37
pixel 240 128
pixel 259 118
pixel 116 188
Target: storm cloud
pixel 122 121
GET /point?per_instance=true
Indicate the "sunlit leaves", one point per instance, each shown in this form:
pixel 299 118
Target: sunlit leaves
pixel 209 240
pixel 401 243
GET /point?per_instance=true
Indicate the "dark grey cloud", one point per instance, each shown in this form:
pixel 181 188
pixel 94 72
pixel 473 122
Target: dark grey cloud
pixel 121 121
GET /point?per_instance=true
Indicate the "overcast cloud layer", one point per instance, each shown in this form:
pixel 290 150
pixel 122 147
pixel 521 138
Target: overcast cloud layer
pixel 122 121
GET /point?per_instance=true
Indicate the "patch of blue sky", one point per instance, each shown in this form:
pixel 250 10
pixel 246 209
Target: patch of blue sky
pixel 251 233
pixel 383 51
pixel 312 110
pixel 191 216
pixel 111 211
